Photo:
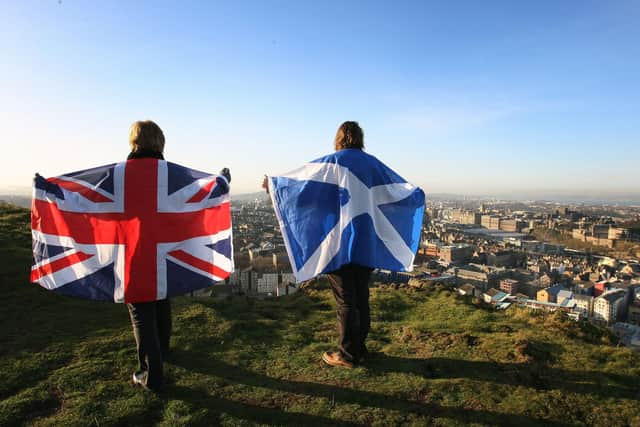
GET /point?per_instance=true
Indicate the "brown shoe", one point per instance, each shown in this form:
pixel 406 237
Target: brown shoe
pixel 333 358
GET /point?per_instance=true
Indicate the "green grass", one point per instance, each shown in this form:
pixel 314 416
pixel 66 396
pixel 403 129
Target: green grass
pixel 438 360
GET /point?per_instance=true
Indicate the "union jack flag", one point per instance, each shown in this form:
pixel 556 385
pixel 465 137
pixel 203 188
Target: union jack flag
pixel 135 231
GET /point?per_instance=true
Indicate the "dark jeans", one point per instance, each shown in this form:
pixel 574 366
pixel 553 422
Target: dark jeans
pixel 151 323
pixel 350 285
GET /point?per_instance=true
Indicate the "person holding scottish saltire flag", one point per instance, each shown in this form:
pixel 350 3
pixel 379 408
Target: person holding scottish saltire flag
pixel 344 215
pixel 136 232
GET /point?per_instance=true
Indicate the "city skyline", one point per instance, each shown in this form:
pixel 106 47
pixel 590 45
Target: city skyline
pixel 479 99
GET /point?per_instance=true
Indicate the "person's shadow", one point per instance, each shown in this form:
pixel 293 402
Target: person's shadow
pixel 537 375
pixel 205 365
pixel 203 399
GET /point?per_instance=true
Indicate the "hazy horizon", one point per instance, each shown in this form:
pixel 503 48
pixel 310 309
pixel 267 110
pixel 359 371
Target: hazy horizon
pixel 474 98
pixel 567 196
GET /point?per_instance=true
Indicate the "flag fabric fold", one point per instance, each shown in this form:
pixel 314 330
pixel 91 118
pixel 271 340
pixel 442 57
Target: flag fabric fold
pixel 347 207
pixel 136 231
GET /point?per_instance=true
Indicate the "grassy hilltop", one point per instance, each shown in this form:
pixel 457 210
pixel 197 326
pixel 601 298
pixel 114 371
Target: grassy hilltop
pixel 439 360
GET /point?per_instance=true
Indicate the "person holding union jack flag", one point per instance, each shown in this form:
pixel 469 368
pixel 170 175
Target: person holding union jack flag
pixel 151 320
pixel 135 232
pixel 343 215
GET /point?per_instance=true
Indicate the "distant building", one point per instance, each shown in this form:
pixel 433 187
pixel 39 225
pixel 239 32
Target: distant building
pixel 607 306
pixel 494 296
pixel 633 315
pixel 600 234
pixel 509 286
pixel 630 293
pixel 584 305
pixel 579 234
pixel 600 231
pixel 512 225
pixel 563 295
pixel 473 275
pixel 617 233
pixel 469 289
pixel 247 280
pixel 549 248
pixel 458 254
pixel 267 284
pixel 599 288
pixel 549 294
pixel 490 221
pixel 530 245
pixel 433 213
pixel 545 280
pixel 494 223
pixel 540 305
pixel 465 217
pixel 432 249
pixel 287 284
pixel 508 259
pixel 584 288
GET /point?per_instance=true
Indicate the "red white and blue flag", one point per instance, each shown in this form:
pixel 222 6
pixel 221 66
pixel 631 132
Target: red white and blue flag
pixel 136 231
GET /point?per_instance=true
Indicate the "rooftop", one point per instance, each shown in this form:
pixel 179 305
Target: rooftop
pixel 613 295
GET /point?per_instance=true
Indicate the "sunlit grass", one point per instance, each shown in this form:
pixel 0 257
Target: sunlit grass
pixel 438 359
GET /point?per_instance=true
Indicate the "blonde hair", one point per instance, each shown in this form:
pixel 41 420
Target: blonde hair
pixel 349 135
pixel 146 136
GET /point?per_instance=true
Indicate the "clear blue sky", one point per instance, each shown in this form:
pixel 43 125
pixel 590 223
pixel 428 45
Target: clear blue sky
pixel 468 97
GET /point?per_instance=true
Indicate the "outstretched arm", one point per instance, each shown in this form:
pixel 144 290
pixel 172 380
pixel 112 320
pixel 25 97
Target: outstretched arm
pixel 226 173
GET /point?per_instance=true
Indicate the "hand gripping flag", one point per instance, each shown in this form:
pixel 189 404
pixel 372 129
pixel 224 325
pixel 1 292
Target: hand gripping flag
pixel 136 231
pixel 347 207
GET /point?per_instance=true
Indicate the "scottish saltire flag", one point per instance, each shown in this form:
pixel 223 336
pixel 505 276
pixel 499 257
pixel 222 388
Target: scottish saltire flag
pixel 347 207
pixel 136 231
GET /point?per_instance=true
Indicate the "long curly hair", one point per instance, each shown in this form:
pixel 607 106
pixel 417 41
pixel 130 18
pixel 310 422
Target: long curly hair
pixel 349 135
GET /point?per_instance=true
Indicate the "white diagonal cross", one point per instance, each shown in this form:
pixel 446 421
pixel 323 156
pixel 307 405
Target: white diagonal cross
pixel 363 200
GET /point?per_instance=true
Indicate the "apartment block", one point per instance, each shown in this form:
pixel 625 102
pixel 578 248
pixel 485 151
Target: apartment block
pixel 509 286
pixel 606 307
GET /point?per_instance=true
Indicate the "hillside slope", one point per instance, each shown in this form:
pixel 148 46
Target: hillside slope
pixel 438 360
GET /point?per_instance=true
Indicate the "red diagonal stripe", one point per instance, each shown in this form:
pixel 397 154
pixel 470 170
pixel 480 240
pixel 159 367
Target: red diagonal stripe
pixel 198 263
pixel 202 193
pixel 57 265
pixel 83 227
pixel 85 192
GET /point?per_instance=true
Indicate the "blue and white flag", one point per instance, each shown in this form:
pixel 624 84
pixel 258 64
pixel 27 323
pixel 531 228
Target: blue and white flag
pixel 347 207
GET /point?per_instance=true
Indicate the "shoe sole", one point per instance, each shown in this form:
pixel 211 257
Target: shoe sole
pixel 331 363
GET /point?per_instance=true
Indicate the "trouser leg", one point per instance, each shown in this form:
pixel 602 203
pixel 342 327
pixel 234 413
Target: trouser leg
pixel 362 277
pixel 145 330
pixel 163 309
pixel 347 313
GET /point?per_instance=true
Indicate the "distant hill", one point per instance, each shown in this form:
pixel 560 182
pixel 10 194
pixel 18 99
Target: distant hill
pixel 22 201
pixel 597 198
pixel 25 200
pixel 244 197
pixel 438 359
